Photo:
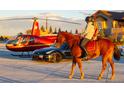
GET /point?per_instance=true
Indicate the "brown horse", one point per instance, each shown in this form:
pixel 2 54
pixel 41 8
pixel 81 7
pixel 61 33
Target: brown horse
pixel 103 47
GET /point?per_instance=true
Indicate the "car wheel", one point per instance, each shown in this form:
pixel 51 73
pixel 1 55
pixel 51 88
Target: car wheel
pixel 55 57
pixel 121 52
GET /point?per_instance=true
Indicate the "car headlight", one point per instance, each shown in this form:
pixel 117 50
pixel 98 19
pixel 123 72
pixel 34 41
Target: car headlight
pixel 36 53
pixel 49 52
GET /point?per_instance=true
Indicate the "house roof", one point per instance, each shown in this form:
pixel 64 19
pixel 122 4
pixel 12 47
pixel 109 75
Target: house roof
pixel 114 15
pixel 117 15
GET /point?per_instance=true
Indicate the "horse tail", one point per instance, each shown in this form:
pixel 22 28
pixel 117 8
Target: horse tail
pixel 116 53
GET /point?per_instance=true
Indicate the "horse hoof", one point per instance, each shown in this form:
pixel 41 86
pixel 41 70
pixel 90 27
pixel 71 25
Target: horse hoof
pixel 81 78
pixel 99 78
pixel 112 78
pixel 70 77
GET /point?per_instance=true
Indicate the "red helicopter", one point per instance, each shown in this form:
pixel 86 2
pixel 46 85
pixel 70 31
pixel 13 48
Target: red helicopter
pixel 27 43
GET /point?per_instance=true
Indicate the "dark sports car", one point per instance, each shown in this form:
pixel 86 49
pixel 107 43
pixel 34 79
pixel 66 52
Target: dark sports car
pixel 121 48
pixel 52 53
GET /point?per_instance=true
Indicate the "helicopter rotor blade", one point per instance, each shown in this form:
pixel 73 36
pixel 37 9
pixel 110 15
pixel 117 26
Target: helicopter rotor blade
pixel 61 21
pixel 15 19
pixel 41 19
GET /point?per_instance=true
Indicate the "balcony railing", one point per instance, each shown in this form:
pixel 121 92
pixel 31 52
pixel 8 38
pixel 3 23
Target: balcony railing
pixel 117 30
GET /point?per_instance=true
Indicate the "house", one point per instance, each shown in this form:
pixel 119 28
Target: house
pixel 112 23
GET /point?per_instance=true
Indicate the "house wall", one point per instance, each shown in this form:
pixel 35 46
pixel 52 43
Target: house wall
pixel 108 23
pixel 111 28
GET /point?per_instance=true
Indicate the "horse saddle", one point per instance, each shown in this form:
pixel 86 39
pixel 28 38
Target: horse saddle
pixel 91 46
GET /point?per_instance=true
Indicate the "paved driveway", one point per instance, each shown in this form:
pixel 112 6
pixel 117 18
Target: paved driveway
pixel 14 69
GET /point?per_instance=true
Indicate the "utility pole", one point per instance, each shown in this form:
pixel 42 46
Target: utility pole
pixel 46 23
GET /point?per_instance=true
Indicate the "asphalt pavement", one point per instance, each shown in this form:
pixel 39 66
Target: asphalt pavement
pixel 15 69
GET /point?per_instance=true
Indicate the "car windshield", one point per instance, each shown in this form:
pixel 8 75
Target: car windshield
pixel 64 46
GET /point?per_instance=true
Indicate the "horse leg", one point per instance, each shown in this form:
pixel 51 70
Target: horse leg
pixel 104 65
pixel 78 60
pixel 72 69
pixel 113 68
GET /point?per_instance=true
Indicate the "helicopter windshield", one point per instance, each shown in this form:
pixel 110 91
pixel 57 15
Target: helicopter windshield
pixel 22 39
pixel 25 40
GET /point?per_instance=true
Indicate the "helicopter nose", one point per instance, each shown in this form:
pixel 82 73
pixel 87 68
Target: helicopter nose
pixel 10 43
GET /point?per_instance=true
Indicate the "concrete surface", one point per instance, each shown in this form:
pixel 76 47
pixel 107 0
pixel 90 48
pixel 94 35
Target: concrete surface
pixel 14 69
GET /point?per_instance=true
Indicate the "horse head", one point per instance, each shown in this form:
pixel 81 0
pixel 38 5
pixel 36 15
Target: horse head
pixel 61 38
pixel 68 38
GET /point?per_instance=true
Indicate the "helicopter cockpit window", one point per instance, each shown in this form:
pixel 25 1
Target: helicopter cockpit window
pixel 25 40
pixel 18 39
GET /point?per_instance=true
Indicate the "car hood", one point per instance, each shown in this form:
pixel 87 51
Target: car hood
pixel 45 50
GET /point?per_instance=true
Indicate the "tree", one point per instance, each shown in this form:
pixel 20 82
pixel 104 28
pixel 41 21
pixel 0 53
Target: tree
pixel 59 30
pixel 28 32
pixel 76 32
pixel 42 28
pixel 55 32
pixel 50 30
pixel 1 38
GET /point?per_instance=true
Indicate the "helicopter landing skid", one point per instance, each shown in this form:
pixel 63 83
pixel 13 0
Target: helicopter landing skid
pixel 23 55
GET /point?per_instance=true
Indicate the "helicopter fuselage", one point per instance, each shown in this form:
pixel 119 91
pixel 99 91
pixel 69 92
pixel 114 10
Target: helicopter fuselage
pixel 25 43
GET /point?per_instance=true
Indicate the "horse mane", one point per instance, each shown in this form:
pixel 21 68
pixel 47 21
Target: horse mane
pixel 76 38
pixel 70 35
pixel 66 34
